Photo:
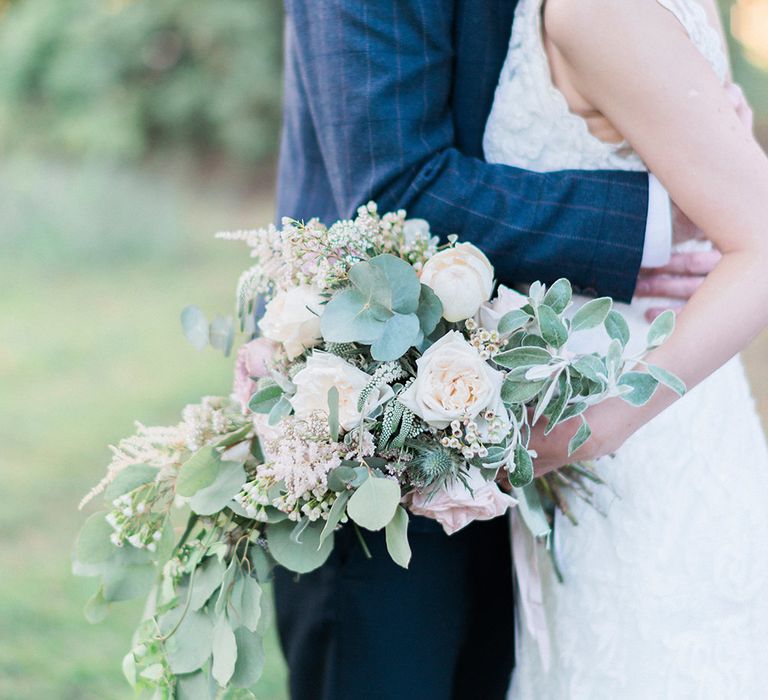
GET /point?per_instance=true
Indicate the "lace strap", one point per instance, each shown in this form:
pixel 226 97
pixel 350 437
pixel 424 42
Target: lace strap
pixel 692 15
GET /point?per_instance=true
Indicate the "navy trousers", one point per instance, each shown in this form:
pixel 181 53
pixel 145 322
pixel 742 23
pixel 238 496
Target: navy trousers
pixel 365 629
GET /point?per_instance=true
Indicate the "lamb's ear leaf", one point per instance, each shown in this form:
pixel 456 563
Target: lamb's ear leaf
pixel 668 379
pixel 661 329
pixel 558 296
pixel 641 387
pixel 592 314
pixel 616 327
pixel 580 438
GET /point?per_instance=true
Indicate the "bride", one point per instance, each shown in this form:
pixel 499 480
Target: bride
pixel 665 591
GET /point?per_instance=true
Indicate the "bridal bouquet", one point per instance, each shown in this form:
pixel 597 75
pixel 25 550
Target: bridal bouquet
pixel 380 376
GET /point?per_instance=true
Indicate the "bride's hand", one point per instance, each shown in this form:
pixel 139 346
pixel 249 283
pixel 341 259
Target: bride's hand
pixel 611 422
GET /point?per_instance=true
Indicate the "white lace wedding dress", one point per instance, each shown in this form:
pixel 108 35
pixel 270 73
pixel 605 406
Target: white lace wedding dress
pixel 667 596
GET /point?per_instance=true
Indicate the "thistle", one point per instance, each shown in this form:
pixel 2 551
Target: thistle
pixel 433 465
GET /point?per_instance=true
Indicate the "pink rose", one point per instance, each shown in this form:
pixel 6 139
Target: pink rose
pixel 252 363
pixel 454 506
pixel 506 300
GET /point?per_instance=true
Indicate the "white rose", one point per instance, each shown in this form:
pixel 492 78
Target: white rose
pixel 292 319
pixel 324 371
pixel 462 278
pixel 506 300
pixel 454 506
pixel 452 383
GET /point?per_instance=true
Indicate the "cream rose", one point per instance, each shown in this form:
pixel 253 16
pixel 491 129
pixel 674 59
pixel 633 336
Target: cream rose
pixel 324 371
pixel 454 505
pixel 292 319
pixel 462 278
pixel 453 382
pixel 506 300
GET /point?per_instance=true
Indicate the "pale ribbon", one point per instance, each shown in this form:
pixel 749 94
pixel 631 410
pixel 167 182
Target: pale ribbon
pixel 529 589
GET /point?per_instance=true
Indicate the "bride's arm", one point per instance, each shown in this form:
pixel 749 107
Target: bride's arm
pixel 634 63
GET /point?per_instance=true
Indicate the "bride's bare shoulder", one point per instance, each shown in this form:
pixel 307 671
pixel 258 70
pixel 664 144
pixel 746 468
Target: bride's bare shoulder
pixel 570 22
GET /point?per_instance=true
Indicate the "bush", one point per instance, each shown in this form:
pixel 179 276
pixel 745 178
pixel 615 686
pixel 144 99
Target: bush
pixel 119 77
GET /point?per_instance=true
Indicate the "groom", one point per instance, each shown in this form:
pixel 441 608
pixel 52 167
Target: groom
pixel 387 100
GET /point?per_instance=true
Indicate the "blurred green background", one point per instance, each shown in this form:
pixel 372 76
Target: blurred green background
pixel 130 130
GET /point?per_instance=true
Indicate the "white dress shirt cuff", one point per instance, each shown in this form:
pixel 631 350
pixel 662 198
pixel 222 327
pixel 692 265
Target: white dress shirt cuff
pixel 658 230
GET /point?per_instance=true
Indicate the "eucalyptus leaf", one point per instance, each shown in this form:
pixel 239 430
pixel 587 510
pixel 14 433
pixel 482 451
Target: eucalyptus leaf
pixel 228 483
pixel 280 410
pixel 300 558
pixel 207 578
pixel 398 334
pixel 129 479
pixel 372 283
pixel 93 543
pixel 335 515
pixel 127 582
pixel 668 379
pixel 198 472
pixel 245 606
pixel 333 413
pixel 430 310
pixel 616 327
pixel 191 644
pixel 396 535
pixel 348 318
pixel 402 281
pixel 373 505
pixel 224 648
pixel 195 326
pixel 250 658
pixel 192 686
pixel 221 333
pixel 97 607
pixel 340 477
pixel 592 314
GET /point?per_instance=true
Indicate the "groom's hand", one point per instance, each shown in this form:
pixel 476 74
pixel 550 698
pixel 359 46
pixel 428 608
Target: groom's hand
pixel 676 281
pixel 679 280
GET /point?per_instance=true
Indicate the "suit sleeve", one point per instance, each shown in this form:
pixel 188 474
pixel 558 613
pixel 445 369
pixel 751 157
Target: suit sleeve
pixel 378 76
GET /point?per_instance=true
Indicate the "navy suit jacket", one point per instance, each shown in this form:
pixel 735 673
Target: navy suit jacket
pixel 388 99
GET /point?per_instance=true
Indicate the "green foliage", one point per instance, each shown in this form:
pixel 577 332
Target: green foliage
pixel 118 78
pixel 386 308
pixel 373 505
pixel 396 535
pixel 304 556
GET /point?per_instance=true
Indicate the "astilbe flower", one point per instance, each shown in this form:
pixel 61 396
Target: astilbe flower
pixel 294 476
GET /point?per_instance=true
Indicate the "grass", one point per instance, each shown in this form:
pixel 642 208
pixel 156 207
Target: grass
pixel 90 341
pixel 87 347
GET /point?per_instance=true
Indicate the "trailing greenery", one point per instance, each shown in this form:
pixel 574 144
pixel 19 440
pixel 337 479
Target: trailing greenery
pixel 116 78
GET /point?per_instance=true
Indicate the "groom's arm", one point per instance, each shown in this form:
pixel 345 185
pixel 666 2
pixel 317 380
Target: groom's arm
pixel 378 77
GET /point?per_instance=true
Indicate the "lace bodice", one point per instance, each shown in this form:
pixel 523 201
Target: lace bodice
pixel 531 125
